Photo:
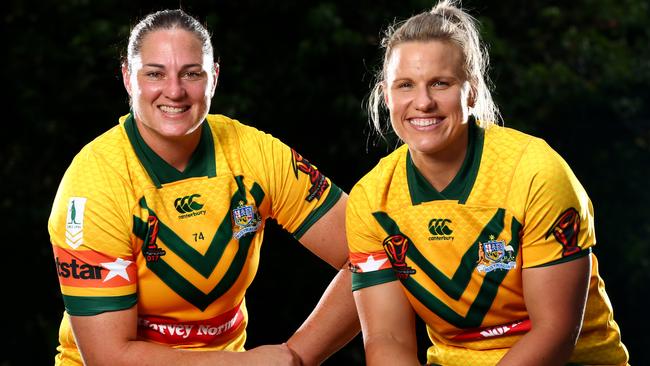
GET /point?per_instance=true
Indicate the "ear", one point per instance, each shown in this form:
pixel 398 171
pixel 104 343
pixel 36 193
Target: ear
pixel 215 75
pixel 382 88
pixel 126 78
pixel 471 98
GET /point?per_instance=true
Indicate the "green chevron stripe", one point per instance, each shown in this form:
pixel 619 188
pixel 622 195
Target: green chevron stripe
pixel 191 293
pixel 204 264
pixel 257 193
pixel 139 227
pixel 455 286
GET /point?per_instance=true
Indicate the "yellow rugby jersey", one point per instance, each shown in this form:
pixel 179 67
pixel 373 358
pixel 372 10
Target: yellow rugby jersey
pixel 458 253
pixel 127 228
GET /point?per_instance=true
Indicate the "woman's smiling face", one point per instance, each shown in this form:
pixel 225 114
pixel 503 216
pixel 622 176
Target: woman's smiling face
pixel 427 95
pixel 170 84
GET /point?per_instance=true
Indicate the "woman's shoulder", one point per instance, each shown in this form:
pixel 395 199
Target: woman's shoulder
pixel 108 146
pixel 229 131
pixel 109 154
pixel 527 152
pixel 227 125
pixel 505 141
pixel 508 137
pixel 376 181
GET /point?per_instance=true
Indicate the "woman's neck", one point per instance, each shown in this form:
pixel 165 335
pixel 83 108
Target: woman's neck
pixel 440 168
pixel 175 151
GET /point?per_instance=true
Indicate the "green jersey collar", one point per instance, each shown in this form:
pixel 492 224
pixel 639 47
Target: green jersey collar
pixel 201 164
pixel 460 187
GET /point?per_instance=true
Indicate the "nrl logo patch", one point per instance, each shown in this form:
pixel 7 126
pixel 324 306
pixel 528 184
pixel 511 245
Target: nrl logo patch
pixel 495 254
pixel 246 220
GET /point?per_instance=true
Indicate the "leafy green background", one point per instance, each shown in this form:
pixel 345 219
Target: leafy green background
pixel 575 73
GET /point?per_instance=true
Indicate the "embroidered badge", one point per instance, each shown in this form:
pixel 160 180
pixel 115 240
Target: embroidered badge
pixel 565 230
pixel 246 219
pixel 318 181
pixel 150 249
pixel 396 247
pixel 74 222
pixel 495 254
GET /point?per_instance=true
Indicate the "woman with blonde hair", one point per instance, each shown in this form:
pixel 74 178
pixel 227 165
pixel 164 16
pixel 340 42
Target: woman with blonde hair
pixel 482 231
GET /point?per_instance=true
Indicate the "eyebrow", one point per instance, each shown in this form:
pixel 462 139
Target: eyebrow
pixel 160 66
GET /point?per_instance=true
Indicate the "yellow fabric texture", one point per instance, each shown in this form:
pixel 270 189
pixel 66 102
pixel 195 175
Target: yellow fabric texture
pixel 184 252
pixel 524 192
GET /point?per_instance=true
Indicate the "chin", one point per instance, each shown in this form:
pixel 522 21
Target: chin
pixel 425 149
pixel 177 132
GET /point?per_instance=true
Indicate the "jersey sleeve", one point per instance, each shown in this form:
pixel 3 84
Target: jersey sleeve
pixel 368 261
pixel 300 194
pixel 90 236
pixel 558 215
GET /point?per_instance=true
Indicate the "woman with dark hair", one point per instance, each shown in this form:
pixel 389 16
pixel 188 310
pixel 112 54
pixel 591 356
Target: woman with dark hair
pixel 157 224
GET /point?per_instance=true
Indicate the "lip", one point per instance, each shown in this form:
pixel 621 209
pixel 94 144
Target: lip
pixel 425 123
pixel 173 110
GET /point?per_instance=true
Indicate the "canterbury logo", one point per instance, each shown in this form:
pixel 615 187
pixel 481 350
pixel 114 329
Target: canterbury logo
pixel 187 204
pixel 440 227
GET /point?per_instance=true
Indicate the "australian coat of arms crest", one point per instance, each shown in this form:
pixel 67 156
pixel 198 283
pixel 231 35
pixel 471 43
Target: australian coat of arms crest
pixel 246 220
pixel 495 254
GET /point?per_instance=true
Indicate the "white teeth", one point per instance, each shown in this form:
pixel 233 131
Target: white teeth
pixel 168 109
pixel 424 122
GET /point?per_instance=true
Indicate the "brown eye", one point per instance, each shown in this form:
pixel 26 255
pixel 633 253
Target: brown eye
pixel 155 75
pixel 192 75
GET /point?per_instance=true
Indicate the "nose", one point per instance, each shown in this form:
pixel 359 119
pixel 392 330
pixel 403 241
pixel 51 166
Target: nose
pixel 174 88
pixel 424 100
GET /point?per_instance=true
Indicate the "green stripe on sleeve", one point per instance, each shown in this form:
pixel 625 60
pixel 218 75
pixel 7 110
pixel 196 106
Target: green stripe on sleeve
pixel 368 279
pixel 333 197
pixel 570 258
pixel 93 305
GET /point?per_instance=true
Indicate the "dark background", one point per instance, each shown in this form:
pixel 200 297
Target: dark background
pixel 575 73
